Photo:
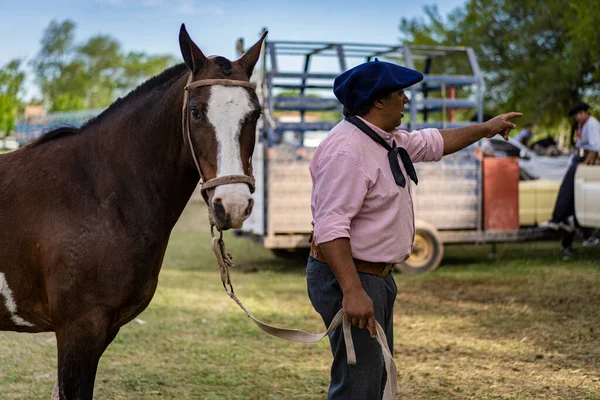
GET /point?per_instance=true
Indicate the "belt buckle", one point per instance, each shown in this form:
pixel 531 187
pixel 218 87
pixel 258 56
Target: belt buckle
pixel 387 269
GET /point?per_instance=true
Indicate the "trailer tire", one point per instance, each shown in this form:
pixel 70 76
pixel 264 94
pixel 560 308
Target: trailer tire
pixel 428 250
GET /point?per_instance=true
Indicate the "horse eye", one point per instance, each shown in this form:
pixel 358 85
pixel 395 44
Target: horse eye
pixel 195 113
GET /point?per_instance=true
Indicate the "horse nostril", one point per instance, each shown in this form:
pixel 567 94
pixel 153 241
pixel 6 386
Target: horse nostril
pixel 217 200
pixel 249 208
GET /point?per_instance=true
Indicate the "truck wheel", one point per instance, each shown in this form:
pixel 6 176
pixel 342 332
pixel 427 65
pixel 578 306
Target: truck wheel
pixel 428 251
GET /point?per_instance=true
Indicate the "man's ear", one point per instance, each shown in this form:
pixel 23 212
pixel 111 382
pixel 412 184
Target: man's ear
pixel 379 104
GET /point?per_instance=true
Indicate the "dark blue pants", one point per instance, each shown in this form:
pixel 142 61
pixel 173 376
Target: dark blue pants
pixel 366 379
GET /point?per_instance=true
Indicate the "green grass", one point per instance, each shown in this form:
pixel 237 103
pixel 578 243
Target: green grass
pixel 522 325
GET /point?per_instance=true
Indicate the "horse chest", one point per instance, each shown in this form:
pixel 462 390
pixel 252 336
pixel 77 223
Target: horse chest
pixel 10 317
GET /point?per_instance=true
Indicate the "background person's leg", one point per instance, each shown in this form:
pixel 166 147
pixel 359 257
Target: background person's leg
pixel 565 202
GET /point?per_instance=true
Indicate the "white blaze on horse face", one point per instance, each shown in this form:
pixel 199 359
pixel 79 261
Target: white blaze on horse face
pixel 9 302
pixel 227 108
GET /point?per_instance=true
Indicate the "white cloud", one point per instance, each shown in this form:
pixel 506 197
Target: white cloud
pixel 142 3
pixel 188 7
pixel 193 7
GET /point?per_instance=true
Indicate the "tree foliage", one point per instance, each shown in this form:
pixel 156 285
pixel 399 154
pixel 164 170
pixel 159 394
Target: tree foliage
pixel 11 84
pixel 537 57
pixel 89 75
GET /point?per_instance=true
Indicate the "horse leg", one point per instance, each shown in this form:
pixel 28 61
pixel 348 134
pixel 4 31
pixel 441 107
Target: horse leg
pixel 81 343
pixel 110 337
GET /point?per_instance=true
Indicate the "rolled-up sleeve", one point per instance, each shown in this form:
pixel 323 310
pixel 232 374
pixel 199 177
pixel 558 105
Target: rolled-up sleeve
pixel 340 185
pixel 423 145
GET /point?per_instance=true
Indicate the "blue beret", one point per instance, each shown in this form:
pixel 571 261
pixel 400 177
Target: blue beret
pixel 361 85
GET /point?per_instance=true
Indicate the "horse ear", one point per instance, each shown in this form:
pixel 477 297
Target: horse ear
pixel 249 59
pixel 192 55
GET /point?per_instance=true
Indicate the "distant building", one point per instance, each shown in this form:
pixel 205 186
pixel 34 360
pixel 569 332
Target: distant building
pixel 35 121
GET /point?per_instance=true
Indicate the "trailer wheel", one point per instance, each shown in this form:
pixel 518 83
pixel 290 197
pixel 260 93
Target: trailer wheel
pixel 428 251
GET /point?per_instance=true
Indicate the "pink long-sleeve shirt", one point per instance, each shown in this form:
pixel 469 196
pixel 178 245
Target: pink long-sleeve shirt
pixel 354 194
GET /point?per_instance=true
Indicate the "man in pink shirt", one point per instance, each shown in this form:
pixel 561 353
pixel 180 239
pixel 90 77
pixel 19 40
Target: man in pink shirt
pixel 363 213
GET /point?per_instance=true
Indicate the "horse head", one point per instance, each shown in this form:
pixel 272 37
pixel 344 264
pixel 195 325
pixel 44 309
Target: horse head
pixel 220 113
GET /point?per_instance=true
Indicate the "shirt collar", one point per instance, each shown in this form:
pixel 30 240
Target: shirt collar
pixel 387 136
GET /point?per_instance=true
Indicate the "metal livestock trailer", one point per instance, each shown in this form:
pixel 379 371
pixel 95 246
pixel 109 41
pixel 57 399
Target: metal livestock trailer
pixel 295 88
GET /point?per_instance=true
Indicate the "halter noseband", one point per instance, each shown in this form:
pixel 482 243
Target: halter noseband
pixel 222 180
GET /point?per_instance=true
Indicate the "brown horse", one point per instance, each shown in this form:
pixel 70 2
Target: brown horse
pixel 86 213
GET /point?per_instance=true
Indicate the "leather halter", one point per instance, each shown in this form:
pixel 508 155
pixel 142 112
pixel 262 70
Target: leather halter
pixel 221 180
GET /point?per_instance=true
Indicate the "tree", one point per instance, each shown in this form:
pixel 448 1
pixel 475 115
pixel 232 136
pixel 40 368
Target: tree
pixel 61 78
pixel 539 61
pixel 90 75
pixel 138 66
pixel 101 60
pixel 11 83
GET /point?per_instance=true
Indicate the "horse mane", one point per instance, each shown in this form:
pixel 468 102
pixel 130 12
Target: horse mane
pixel 164 79
pixel 55 134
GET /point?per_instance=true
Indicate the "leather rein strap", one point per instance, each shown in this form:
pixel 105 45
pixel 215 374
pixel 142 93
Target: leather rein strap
pixel 225 261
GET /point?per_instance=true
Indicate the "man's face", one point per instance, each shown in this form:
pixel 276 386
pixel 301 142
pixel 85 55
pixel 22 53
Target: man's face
pixel 581 116
pixel 394 106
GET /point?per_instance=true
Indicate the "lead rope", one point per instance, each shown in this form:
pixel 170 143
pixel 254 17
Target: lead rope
pixel 225 261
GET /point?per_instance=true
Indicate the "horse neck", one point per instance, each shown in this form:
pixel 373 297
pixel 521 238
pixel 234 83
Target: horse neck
pixel 148 161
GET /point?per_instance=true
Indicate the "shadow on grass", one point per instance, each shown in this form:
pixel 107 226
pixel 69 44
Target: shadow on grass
pixel 553 308
pixel 536 252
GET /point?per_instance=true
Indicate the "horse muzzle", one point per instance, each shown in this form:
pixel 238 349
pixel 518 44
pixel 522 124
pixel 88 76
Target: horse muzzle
pixel 231 206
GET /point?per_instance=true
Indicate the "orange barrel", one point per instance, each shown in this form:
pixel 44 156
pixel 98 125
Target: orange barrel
pixel 501 194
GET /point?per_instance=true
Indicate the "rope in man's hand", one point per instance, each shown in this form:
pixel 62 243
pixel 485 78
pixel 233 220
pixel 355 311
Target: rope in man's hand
pixel 225 261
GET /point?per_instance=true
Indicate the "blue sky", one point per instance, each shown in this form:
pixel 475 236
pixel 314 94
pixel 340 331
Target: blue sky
pixel 153 25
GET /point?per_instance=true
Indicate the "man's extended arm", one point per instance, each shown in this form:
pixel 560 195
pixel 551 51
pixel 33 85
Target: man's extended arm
pixel 458 138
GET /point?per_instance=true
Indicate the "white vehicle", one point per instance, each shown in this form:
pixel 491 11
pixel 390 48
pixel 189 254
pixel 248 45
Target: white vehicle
pixel 534 165
pixel 9 143
pixel 587 195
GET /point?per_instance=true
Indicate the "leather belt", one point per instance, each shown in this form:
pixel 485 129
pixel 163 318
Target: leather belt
pixel 375 268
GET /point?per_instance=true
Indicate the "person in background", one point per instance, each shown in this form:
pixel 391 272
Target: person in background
pixel 588 146
pixel 525 135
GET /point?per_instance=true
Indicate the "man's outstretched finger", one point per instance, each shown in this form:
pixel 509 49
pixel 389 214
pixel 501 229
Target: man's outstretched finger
pixel 512 115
